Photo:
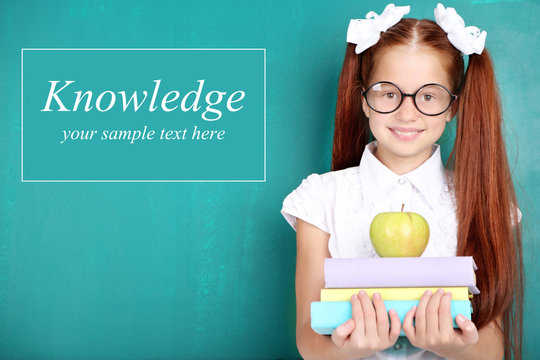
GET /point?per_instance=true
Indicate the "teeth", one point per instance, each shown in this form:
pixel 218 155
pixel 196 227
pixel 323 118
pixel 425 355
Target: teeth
pixel 406 133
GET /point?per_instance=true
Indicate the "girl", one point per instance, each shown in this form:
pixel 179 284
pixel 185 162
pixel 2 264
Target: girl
pixel 402 80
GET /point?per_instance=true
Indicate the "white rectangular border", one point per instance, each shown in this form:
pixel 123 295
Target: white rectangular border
pixel 138 49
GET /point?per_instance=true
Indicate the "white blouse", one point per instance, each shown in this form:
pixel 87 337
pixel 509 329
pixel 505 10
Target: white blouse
pixel 342 203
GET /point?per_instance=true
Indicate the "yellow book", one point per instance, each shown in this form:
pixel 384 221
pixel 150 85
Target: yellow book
pixel 412 293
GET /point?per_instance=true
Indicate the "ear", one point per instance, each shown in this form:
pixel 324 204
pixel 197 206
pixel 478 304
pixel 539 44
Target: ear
pixel 453 110
pixel 365 106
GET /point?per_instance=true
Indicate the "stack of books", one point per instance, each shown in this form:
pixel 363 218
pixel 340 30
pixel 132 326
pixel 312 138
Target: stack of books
pixel 401 281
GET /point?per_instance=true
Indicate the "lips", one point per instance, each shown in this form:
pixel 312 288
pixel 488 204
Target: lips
pixel 406 133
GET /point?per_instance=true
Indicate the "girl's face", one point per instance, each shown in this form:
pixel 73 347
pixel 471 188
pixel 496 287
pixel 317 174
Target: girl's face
pixel 405 136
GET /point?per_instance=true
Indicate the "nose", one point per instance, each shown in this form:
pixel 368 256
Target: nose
pixel 407 110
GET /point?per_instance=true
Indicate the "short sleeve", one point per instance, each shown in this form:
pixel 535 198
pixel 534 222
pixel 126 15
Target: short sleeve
pixel 307 203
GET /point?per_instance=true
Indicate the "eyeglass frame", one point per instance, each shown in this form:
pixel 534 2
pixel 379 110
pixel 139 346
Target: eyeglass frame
pixel 403 95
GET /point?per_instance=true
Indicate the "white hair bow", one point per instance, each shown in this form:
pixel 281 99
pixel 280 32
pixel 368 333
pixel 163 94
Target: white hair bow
pixel 366 32
pixel 468 39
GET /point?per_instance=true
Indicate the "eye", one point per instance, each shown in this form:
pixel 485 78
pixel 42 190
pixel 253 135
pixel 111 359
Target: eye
pixel 389 95
pixel 427 97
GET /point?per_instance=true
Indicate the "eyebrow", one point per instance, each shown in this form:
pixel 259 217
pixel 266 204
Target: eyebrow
pixel 424 84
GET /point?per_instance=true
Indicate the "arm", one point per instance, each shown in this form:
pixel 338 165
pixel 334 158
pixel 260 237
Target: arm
pixel 312 249
pixel 367 332
pixel 489 345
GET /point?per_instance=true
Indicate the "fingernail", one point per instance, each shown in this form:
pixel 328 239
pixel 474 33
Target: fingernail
pixel 363 292
pixel 449 294
pixel 460 319
pixel 376 296
pixel 392 312
pixel 428 292
pixel 440 291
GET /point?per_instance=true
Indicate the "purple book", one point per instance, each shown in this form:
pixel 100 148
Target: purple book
pixel 400 272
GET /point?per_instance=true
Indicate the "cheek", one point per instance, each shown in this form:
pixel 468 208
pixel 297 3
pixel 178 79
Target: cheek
pixel 448 114
pixel 440 126
pixel 376 125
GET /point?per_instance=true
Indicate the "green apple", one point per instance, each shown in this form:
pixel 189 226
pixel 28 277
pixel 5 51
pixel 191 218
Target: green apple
pixel 399 234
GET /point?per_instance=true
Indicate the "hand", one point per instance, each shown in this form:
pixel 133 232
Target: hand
pixel 369 330
pixel 434 328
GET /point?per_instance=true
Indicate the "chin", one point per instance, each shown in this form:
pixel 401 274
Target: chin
pixel 407 150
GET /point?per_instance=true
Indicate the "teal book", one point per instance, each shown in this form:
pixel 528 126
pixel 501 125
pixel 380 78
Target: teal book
pixel 327 315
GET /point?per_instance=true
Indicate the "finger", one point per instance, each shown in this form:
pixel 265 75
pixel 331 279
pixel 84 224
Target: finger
pixel 408 327
pixel 420 315
pixel 395 326
pixel 358 316
pixel 432 313
pixel 446 325
pixel 469 332
pixel 370 319
pixel 342 332
pixel 382 316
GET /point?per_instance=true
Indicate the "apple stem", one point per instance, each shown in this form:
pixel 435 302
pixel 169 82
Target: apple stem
pixel 402 206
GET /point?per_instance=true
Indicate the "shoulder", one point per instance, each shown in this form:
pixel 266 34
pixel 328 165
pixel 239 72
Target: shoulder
pixel 332 183
pixel 316 196
pixel 329 181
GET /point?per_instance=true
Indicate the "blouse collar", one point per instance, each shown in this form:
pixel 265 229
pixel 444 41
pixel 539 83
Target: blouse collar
pixel 377 179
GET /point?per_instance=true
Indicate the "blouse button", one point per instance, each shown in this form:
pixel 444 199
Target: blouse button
pixel 397 346
pixel 402 181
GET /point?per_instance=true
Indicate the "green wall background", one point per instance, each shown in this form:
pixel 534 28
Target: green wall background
pixel 206 270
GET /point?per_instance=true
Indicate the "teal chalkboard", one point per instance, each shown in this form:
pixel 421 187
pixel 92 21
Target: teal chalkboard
pixel 206 270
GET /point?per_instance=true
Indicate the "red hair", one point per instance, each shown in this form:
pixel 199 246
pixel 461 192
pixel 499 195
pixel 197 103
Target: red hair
pixel 488 227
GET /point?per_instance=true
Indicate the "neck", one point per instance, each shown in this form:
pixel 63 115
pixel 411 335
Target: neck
pixel 401 165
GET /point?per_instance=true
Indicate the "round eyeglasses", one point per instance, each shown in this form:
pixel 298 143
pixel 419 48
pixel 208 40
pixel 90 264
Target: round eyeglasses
pixel 431 99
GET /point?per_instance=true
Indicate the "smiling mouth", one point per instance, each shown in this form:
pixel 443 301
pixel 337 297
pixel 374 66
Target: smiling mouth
pixel 406 134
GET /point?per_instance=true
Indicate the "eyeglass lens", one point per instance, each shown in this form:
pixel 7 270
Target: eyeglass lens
pixel 430 99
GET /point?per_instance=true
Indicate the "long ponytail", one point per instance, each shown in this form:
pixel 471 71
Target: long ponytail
pixel 486 204
pixel 351 131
